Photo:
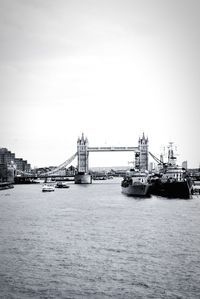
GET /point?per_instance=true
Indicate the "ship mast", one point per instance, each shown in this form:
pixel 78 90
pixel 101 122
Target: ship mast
pixel 171 157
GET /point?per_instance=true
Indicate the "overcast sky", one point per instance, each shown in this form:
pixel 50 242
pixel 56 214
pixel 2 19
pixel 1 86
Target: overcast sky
pixel 112 69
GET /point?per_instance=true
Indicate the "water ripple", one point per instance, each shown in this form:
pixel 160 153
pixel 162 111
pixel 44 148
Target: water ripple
pixel 97 243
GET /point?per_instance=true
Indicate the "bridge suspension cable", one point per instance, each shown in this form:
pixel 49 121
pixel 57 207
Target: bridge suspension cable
pixel 63 165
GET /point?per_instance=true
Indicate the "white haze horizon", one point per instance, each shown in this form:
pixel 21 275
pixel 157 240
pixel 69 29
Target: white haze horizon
pixel 110 69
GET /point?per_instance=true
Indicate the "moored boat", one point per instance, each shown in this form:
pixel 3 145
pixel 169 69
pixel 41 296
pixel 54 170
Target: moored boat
pixel 136 183
pixel 172 181
pixel 172 184
pixel 195 189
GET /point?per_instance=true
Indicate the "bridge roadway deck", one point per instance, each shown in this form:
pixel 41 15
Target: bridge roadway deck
pixel 113 149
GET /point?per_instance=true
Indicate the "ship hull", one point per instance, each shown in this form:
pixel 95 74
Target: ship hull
pixel 172 189
pixel 137 190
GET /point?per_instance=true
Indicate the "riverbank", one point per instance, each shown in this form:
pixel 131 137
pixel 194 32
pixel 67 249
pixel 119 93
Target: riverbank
pixel 6 185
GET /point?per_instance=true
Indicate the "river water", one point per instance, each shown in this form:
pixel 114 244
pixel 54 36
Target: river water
pixel 91 241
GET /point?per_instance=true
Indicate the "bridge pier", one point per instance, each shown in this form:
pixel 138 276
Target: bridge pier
pixel 84 178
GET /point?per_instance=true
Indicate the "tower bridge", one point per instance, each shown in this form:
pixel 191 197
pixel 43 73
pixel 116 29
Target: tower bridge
pixel 83 176
pixel 83 149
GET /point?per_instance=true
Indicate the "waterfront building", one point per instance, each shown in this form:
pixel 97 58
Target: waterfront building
pixel 70 170
pixel 8 162
pixel 19 164
pixel 5 156
pixel 3 172
pixel 26 166
pixel 151 166
pixel 6 173
pixel 10 174
pixel 22 165
pixel 184 164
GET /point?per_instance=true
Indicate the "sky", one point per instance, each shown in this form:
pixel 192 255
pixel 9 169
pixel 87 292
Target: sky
pixel 111 69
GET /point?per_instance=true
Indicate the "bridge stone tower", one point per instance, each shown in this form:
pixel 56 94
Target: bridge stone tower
pixel 82 176
pixel 142 155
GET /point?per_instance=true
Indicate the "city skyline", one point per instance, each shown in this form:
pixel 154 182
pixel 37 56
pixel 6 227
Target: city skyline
pixel 109 69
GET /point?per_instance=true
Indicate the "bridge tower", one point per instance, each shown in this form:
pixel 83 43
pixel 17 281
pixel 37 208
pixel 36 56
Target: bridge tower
pixel 82 176
pixel 142 155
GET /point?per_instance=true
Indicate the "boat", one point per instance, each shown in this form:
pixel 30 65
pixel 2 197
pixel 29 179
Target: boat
pixel 171 181
pixel 48 188
pixel 136 183
pixel 195 190
pixel 61 185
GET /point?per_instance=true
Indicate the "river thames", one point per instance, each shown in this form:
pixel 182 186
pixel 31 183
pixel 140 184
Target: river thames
pixel 91 241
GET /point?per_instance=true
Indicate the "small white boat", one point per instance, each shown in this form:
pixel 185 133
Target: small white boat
pixel 48 188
